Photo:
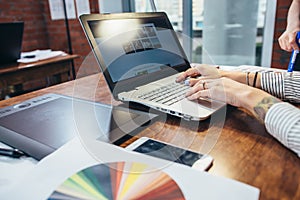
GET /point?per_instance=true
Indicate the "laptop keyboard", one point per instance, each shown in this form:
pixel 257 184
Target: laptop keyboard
pixel 168 94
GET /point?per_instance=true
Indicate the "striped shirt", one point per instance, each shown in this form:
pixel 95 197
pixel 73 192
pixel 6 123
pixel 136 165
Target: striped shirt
pixel 283 119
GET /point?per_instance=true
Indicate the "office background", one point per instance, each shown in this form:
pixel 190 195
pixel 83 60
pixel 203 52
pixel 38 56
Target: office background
pixel 41 32
pixel 255 156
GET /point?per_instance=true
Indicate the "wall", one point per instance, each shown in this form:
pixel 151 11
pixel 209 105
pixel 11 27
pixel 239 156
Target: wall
pixel 41 32
pixel 31 12
pixel 58 37
pixel 280 58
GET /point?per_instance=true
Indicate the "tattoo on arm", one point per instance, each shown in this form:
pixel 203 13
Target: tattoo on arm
pixel 263 106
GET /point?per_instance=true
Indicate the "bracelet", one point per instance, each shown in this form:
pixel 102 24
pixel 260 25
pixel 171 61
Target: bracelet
pixel 254 80
pixel 247 78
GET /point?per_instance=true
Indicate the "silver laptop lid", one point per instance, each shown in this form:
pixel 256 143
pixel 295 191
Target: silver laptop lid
pixel 133 49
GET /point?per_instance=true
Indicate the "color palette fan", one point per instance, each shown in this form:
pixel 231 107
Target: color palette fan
pixel 119 181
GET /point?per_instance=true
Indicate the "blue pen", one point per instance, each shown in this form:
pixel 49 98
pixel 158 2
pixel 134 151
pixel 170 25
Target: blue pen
pixel 294 55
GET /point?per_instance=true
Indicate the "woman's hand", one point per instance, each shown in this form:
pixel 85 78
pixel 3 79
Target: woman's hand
pixel 223 89
pixel 287 41
pixel 203 70
pixel 234 93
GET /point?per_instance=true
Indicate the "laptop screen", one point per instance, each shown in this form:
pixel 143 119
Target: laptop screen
pixel 134 48
pixel 11 34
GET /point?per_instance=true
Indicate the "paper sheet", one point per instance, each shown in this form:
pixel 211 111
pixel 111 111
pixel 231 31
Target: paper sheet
pixel 73 157
pixel 83 7
pixel 37 55
pixel 57 9
pixel 12 169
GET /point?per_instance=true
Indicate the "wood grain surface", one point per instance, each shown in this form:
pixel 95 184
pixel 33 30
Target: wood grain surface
pixel 241 147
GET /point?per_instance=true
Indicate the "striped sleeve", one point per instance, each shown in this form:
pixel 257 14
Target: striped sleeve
pixel 283 122
pixel 282 85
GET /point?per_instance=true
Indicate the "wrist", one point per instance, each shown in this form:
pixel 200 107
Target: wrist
pixel 254 79
pixel 223 73
pixel 251 96
pixel 293 28
pixel 257 102
pixel 229 74
pixel 234 75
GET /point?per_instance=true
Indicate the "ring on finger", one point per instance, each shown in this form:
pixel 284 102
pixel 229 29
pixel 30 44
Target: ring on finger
pixel 203 84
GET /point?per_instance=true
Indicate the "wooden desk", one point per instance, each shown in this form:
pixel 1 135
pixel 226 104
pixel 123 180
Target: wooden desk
pixel 241 147
pixel 53 70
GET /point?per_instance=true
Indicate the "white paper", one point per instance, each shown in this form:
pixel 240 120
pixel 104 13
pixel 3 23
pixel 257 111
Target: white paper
pixel 70 6
pixel 83 7
pixel 57 9
pixel 73 157
pixel 13 169
pixel 110 6
pixel 39 55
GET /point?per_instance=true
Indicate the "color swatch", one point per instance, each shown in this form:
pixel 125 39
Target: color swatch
pixel 119 181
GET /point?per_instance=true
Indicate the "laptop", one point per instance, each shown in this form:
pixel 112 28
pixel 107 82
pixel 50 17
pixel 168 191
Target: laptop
pixel 140 56
pixel 11 35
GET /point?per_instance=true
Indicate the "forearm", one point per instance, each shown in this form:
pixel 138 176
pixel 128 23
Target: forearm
pixel 284 86
pixel 293 22
pixel 257 102
pixel 282 120
pixel 241 77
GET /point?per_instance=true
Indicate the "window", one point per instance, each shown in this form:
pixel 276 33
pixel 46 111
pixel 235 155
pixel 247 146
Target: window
pixel 223 32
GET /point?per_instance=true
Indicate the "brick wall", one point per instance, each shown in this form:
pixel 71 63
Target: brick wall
pixel 41 32
pixel 280 58
pixel 31 12
pixel 57 37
